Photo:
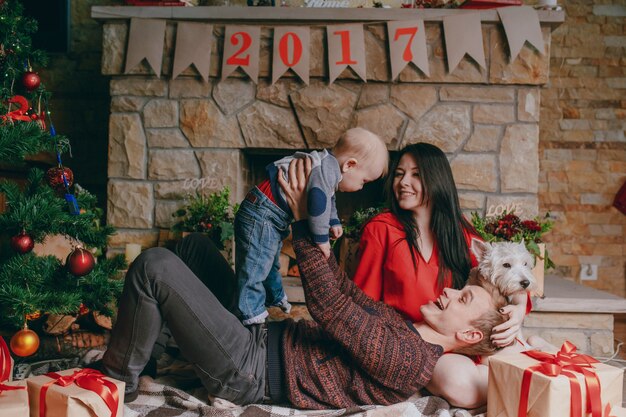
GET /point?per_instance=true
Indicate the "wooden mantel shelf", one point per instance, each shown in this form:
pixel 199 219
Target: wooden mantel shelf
pixel 562 295
pixel 291 15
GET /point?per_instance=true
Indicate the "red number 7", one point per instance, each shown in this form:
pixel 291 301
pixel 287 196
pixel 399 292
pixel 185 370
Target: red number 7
pixel 407 55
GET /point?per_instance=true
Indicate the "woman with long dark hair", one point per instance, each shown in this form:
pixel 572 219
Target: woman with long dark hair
pixel 421 245
pixel 411 253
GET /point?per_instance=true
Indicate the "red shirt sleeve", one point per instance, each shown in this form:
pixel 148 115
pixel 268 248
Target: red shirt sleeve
pixel 369 272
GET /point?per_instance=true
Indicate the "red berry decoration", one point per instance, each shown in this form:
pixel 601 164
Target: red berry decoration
pixel 22 243
pixel 30 80
pixel 55 178
pixel 80 262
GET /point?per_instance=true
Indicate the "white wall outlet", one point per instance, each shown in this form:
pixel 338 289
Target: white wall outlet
pixel 588 272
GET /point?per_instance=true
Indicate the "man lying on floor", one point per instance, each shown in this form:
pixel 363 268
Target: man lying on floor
pixel 356 352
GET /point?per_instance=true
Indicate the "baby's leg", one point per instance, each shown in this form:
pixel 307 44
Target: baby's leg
pixel 274 286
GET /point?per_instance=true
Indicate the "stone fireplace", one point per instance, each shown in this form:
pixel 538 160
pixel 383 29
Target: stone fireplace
pixel 169 138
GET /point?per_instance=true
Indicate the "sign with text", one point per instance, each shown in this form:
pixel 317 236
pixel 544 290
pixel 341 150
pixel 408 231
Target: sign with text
pixel 407 43
pixel 346 48
pixel 241 49
pixel 291 51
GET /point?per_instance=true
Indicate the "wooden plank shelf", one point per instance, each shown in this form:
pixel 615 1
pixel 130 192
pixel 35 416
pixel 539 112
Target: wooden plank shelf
pixel 292 15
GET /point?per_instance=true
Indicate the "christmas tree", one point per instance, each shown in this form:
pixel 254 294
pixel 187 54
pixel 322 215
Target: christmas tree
pixel 46 204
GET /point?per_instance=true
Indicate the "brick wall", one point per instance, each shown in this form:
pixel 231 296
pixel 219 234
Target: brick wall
pixel 582 147
pixel 80 98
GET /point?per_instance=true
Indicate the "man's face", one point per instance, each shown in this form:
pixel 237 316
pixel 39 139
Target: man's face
pixel 455 310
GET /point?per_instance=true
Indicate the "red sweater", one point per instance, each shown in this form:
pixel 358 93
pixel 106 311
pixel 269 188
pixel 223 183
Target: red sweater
pixel 357 351
pixel 386 271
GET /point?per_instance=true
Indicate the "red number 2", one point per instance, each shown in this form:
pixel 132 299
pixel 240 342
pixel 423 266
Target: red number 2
pixel 345 48
pixel 246 41
pixel 407 55
pixel 283 49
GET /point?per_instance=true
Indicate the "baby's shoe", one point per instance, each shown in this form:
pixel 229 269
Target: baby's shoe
pixel 284 305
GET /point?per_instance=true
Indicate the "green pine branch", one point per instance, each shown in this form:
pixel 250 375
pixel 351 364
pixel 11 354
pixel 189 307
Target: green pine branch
pixel 19 139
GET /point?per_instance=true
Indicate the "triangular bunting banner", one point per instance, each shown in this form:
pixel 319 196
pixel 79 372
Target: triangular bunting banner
pixel 407 43
pixel 291 50
pixel 193 46
pixel 241 49
pixel 521 24
pixel 463 35
pixel 346 47
pixel 145 40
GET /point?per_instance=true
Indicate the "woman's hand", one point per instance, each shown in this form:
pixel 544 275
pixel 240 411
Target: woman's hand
pixel 505 333
pixel 295 189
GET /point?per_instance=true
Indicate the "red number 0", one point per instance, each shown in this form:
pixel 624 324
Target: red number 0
pixel 407 55
pixel 345 48
pixel 246 41
pixel 283 49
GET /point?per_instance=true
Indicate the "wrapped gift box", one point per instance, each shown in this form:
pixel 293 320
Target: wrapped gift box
pixel 13 399
pixel 617 412
pixel 6 362
pixel 72 400
pixel 547 396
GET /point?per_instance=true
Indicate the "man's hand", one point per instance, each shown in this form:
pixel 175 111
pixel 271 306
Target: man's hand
pixel 336 232
pixel 325 247
pixel 295 189
pixel 505 333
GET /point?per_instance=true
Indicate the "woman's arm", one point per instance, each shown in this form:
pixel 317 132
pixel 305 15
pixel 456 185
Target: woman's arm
pixel 505 333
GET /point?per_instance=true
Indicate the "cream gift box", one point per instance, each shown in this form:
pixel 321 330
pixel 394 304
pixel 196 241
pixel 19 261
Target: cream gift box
pixel 64 394
pixel 13 399
pixel 547 395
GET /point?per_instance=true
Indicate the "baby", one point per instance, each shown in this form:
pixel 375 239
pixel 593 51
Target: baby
pixel 263 219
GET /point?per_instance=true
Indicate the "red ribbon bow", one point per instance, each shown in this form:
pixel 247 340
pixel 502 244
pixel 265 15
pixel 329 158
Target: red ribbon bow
pixel 4 387
pixel 565 362
pixel 5 361
pixel 88 379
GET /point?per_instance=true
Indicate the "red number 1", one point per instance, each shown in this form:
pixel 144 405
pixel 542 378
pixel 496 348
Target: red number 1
pixel 407 55
pixel 345 48
pixel 246 41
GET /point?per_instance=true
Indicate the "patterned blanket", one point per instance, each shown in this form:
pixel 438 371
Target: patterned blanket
pixel 158 400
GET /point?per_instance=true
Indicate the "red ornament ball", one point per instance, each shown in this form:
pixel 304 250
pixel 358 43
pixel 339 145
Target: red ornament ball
pixel 55 177
pixel 80 262
pixel 22 243
pixel 30 80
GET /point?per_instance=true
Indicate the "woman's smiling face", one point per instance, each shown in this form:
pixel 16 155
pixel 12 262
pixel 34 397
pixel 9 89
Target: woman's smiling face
pixel 407 184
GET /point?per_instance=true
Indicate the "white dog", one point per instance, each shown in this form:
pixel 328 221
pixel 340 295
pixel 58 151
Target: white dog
pixel 507 265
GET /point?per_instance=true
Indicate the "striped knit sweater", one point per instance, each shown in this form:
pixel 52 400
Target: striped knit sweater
pixel 359 351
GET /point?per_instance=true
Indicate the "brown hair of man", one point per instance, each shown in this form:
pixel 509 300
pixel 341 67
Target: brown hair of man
pixel 488 320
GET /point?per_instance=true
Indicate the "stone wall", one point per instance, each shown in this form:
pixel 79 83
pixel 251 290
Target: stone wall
pixel 167 135
pixel 582 147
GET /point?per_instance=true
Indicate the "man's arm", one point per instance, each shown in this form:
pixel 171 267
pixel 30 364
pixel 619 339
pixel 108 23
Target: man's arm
pixel 369 339
pixel 460 381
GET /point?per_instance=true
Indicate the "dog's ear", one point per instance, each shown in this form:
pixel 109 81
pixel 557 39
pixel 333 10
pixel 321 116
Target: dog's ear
pixel 479 249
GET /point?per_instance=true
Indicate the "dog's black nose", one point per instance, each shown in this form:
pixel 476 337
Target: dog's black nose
pixel 525 283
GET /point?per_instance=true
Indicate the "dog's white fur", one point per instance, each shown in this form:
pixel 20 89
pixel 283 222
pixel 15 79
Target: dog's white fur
pixel 507 265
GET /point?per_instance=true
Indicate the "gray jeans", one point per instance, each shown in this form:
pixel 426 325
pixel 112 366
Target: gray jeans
pixel 162 288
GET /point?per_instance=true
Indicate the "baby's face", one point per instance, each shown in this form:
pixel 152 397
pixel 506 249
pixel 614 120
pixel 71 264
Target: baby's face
pixel 354 178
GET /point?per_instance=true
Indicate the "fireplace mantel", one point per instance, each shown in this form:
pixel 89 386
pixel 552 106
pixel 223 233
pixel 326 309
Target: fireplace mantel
pixel 291 15
pixel 173 137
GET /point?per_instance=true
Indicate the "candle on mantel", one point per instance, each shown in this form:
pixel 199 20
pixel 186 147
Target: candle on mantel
pixel 132 251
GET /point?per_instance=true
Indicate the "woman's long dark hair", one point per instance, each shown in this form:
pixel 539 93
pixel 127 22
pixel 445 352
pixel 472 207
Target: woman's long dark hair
pixel 447 221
